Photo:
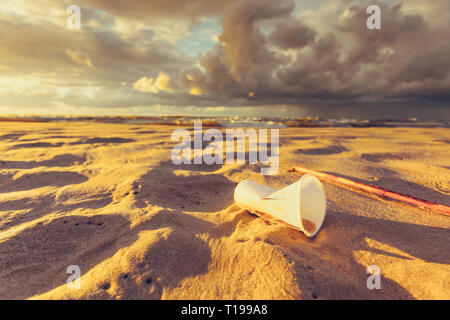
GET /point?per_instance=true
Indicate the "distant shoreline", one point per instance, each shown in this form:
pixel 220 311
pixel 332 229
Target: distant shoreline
pixel 236 121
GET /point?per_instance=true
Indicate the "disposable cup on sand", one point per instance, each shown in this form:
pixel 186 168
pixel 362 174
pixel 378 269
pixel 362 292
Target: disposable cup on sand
pixel 301 204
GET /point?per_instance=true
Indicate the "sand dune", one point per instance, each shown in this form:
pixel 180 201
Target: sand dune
pixel 107 198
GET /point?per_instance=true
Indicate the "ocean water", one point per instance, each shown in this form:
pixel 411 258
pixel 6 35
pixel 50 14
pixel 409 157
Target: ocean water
pixel 235 121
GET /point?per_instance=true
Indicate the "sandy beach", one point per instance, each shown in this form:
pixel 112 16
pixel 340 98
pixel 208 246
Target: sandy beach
pixel 107 198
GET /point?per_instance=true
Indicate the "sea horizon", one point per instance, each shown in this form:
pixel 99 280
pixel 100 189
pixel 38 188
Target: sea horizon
pixel 232 121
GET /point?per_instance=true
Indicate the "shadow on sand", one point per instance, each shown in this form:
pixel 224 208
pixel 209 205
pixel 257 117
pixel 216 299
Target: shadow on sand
pixel 336 274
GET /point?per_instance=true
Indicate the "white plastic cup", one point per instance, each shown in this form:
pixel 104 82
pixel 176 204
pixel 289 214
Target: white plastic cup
pixel 301 204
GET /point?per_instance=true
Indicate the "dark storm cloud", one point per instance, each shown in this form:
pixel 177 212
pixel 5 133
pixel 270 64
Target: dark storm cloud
pixel 239 64
pixel 406 59
pixel 292 34
pixel 268 52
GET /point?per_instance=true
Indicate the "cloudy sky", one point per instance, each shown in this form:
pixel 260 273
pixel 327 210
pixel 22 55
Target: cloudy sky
pixel 226 57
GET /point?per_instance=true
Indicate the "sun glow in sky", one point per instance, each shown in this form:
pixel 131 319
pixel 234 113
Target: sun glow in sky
pixel 252 57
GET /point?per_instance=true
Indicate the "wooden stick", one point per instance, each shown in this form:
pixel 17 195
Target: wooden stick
pixel 374 190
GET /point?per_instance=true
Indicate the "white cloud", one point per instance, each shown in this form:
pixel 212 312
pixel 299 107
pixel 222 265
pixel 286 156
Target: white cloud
pixel 161 83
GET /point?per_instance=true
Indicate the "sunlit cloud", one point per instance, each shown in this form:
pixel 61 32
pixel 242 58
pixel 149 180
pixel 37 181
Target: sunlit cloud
pixel 161 83
pixel 79 57
pixel 310 55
